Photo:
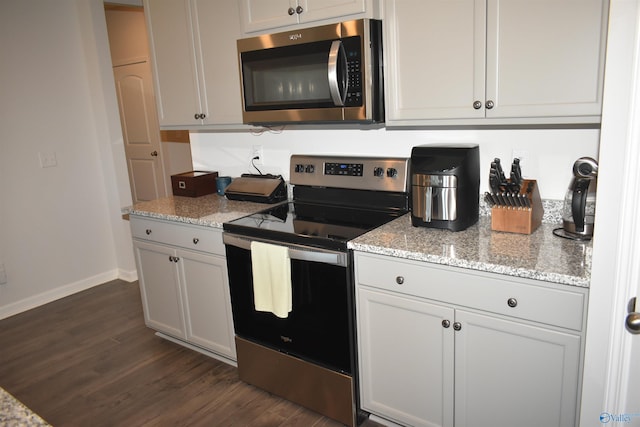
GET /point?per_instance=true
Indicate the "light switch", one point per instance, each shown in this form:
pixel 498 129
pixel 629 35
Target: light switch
pixel 48 159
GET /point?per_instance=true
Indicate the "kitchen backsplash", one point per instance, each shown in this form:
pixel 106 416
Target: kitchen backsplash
pixel 549 153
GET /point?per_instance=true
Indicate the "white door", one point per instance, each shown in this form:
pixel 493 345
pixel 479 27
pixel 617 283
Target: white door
pixel 140 131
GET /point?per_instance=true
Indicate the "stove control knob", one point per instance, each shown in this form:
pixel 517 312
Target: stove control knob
pixel 378 171
pixel 299 168
pixel 392 172
pixel 310 169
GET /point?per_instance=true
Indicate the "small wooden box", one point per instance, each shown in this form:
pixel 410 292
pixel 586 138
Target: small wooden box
pixel 194 183
pixel 520 220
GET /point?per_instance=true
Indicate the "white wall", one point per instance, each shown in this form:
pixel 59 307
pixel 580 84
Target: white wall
pixel 551 153
pixel 60 227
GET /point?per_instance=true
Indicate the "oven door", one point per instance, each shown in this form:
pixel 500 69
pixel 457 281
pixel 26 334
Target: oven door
pixel 319 327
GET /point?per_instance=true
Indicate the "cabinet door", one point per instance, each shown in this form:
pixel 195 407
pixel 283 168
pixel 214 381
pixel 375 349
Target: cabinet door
pixel 160 289
pixel 545 57
pixel 317 10
pixel 406 358
pixel 509 373
pixel 218 28
pixel 174 62
pixel 260 15
pixel 434 59
pixel 208 316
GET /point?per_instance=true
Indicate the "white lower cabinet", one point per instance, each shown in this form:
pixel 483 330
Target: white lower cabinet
pixel 185 292
pixel 427 362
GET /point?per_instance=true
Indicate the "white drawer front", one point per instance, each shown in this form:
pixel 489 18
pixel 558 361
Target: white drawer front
pixel 486 292
pixel 185 236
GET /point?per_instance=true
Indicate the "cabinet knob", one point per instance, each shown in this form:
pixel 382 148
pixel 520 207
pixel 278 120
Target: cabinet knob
pixel 457 326
pixel 195 240
pixel 446 323
pixel 512 302
pixel 632 321
pixel 148 231
pixel 170 258
pixel 477 105
pixel 291 11
pixel 196 116
pixel 299 10
pixel 154 153
pixel 489 105
pixel 399 280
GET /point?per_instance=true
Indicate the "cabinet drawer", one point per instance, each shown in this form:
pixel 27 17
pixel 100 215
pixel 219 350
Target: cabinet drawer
pixel 481 291
pixel 186 236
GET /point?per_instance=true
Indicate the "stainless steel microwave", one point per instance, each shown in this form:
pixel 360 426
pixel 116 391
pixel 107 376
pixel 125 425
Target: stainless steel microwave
pixel 331 73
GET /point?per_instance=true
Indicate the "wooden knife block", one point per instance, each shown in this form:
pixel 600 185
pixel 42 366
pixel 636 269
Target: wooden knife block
pixel 520 220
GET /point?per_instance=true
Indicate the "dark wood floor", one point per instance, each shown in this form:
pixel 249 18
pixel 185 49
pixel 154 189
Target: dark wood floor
pixel 89 360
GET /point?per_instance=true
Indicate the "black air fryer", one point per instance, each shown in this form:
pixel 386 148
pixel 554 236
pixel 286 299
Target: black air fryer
pixel 445 186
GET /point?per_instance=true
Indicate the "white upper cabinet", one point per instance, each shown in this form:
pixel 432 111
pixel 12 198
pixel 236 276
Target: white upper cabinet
pixel 494 61
pixel 193 49
pixel 260 15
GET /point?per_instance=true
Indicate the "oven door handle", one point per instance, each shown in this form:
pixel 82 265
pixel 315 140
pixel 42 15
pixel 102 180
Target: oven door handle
pixel 297 252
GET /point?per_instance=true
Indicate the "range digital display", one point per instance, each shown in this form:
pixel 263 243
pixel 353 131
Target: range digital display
pixel 343 169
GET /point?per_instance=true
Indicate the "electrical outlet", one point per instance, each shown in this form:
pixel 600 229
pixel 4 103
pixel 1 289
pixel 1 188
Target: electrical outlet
pixel 257 152
pixel 48 160
pixel 522 155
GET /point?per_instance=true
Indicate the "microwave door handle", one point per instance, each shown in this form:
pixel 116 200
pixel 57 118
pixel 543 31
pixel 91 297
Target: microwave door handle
pixel 338 79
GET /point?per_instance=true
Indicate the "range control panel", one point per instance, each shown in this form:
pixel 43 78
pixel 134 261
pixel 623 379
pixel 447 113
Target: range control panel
pixel 363 173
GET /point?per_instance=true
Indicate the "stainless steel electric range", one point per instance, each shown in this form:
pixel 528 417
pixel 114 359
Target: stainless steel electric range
pixel 309 355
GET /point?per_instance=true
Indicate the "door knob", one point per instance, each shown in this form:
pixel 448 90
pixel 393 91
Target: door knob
pixel 632 321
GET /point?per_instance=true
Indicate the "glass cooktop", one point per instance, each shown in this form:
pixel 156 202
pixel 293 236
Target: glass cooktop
pixel 323 226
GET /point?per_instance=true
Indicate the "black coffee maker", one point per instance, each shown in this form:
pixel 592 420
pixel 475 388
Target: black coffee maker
pixel 445 186
pixel 579 208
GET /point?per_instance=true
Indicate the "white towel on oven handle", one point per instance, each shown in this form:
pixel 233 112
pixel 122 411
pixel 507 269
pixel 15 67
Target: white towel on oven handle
pixel 271 266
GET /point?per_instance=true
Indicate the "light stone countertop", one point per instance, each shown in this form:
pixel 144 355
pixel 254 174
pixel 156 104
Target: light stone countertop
pixel 209 211
pixel 14 413
pixel 538 256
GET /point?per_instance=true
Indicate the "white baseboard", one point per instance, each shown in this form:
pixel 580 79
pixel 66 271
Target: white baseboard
pixel 128 275
pixel 57 293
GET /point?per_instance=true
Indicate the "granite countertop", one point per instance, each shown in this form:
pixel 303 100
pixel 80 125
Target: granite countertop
pixel 209 211
pixel 538 256
pixel 15 414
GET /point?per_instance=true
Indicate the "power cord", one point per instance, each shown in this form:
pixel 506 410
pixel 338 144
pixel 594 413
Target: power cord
pixel 254 165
